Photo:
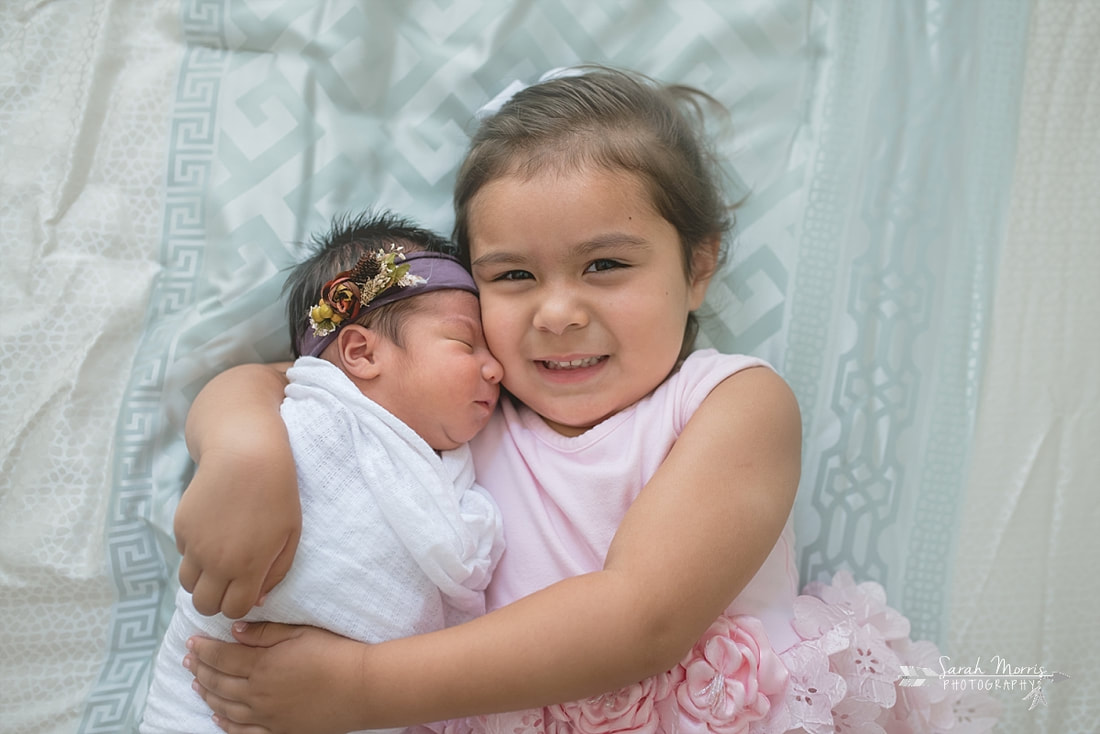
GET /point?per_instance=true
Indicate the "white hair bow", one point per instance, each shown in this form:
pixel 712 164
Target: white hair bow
pixel 493 106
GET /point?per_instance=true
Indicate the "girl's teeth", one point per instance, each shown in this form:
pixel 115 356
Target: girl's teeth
pixel 573 364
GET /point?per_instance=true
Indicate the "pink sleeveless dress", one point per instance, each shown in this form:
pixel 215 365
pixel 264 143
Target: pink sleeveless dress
pixel 776 661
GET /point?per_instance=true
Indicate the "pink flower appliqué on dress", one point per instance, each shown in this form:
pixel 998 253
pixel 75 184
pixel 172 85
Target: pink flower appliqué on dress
pixel 867 642
pixel 853 716
pixel 853 624
pixel 919 708
pixel 813 691
pixel 731 682
pixel 631 709
pixel 533 721
pixel 866 601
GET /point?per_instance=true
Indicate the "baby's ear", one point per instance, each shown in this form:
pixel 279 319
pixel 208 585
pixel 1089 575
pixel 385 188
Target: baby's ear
pixel 359 351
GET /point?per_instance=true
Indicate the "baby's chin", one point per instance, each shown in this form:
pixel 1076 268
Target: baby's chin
pixel 455 438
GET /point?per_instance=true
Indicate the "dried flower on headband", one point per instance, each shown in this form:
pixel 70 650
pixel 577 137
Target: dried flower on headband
pixel 344 296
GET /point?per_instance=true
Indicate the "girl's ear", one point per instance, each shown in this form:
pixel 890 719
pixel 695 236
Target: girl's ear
pixel 704 264
pixel 359 350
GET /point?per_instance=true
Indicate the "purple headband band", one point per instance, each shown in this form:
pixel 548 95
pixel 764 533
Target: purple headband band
pixel 427 272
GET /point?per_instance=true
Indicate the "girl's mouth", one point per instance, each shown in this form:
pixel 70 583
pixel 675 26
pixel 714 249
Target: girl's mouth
pixel 572 364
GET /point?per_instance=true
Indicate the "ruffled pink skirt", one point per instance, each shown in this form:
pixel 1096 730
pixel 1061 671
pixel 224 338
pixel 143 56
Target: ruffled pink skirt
pixel 842 676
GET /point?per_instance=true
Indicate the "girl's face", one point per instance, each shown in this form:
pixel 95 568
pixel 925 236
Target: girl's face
pixel 584 296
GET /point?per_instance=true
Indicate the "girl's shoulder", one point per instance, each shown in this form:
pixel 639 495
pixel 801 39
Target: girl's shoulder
pixel 697 376
pixel 709 365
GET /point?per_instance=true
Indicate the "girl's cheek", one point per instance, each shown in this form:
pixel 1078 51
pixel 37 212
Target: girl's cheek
pixel 498 325
pixel 503 345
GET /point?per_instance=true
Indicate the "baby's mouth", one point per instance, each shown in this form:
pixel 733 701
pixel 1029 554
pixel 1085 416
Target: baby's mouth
pixel 572 364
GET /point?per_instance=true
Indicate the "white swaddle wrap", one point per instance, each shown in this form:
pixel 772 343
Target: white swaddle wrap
pixel 396 540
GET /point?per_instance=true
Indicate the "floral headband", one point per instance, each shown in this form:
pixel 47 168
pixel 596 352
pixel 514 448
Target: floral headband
pixel 380 277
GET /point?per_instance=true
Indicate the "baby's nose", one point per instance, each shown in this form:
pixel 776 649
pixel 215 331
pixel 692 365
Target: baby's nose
pixel 492 370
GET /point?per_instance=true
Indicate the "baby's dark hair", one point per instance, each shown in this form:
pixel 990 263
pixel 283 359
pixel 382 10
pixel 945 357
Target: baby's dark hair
pixel 338 250
pixel 615 120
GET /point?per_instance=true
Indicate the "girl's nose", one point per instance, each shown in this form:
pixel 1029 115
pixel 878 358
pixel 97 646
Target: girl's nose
pixel 559 311
pixel 491 370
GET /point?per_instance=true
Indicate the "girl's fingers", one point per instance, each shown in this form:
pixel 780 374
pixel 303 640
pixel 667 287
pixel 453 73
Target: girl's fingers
pixel 227 691
pixel 264 634
pixel 232 728
pixel 239 596
pixel 220 667
pixel 189 574
pixel 237 681
pixel 280 567
pixel 207 594
pixel 228 714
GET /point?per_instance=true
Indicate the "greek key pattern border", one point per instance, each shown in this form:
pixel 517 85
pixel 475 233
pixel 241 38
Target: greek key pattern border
pixel 136 562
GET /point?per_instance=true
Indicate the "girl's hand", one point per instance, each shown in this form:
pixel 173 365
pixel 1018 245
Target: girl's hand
pixel 238 523
pixel 236 537
pixel 282 679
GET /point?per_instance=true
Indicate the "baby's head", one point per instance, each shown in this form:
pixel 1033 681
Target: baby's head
pixel 384 301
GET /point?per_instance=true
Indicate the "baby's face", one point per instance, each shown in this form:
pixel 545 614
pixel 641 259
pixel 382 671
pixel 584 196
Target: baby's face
pixel 443 380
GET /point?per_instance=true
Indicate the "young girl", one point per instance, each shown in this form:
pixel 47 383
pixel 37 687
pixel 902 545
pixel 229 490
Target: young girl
pixel 645 488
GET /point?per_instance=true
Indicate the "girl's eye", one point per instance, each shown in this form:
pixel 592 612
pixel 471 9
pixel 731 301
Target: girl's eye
pixel 603 264
pixel 514 275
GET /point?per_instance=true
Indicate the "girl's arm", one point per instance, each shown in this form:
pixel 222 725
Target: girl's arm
pixel 695 536
pixel 239 520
